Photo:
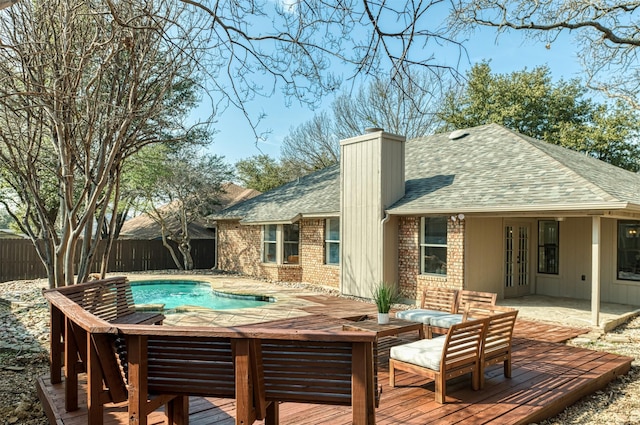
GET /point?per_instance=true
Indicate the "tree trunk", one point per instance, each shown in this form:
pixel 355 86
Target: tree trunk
pixel 185 250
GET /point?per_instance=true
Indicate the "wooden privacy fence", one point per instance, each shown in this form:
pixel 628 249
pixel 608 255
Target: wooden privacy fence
pixel 19 260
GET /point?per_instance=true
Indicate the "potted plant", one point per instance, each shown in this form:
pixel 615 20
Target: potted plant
pixel 384 296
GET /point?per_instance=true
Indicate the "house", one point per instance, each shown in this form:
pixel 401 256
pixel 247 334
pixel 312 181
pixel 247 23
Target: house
pixel 144 227
pixel 483 208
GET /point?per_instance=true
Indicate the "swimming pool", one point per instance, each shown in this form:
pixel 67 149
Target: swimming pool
pixel 178 293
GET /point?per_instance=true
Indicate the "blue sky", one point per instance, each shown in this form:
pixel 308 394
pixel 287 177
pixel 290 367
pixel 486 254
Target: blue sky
pixel 508 53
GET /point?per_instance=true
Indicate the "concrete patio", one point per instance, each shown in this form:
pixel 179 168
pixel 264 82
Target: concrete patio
pixel 293 301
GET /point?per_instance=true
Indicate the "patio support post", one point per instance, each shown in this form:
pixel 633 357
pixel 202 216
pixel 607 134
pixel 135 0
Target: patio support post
pixel 595 271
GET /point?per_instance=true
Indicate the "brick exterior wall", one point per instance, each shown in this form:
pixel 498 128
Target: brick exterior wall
pixel 312 255
pixel 239 249
pixel 411 282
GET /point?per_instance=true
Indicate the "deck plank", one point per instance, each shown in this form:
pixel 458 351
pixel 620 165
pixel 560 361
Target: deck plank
pixel 547 376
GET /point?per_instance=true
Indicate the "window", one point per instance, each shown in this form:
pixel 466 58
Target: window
pixel 433 245
pixel 548 246
pixel 291 243
pixel 629 250
pixel 332 241
pixel 280 243
pixel 269 243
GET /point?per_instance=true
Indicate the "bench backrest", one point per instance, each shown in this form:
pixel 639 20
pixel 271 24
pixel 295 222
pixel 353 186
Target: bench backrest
pixel 336 369
pixel 256 366
pixel 107 299
pixel 462 346
pixel 465 297
pixel 497 345
pixel 439 298
pixel 308 372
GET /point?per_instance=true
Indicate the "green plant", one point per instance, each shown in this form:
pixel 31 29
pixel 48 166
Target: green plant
pixel 384 296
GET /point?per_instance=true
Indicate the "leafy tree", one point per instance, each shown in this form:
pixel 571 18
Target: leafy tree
pixel 263 173
pixel 407 110
pixel 606 34
pixel 531 103
pixel 85 86
pixel 5 220
pixel 191 186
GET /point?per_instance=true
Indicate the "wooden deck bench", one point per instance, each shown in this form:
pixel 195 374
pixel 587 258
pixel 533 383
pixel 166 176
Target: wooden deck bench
pixel 334 368
pixel 454 354
pixel 150 366
pixel 85 341
pixel 109 299
pixel 442 307
pixel 271 366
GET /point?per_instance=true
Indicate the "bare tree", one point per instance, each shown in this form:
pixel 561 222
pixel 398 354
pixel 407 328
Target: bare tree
pixel 408 109
pixel 82 87
pixel 298 46
pixel 607 34
pixel 191 186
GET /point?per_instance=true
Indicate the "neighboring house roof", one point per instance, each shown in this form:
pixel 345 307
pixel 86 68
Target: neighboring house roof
pixel 143 227
pixel 490 169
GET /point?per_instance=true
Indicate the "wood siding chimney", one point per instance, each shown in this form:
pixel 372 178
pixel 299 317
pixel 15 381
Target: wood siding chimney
pixel 372 179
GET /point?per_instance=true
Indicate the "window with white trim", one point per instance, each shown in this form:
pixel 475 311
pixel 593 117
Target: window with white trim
pixel 433 245
pixel 269 243
pixel 332 241
pixel 291 240
pixel 280 243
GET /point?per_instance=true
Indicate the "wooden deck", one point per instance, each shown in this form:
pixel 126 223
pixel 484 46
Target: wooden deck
pixel 547 377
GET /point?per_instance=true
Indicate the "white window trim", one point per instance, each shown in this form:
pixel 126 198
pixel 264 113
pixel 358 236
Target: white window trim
pixel 328 241
pixel 279 244
pixel 264 242
pixel 423 244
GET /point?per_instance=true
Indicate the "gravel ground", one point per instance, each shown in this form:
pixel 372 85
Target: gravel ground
pixel 24 356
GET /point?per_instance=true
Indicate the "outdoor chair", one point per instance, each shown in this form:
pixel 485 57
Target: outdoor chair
pixel 497 344
pixel 454 354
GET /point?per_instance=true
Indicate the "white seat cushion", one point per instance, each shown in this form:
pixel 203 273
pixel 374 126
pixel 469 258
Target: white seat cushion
pixel 446 321
pixel 425 352
pixel 420 315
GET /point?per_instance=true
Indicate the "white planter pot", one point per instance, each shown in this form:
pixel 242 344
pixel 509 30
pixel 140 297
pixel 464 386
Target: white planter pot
pixel 383 318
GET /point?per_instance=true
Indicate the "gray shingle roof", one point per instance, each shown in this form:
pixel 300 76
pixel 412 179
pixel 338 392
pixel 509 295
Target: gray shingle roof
pixel 496 169
pixel 491 169
pixel 315 194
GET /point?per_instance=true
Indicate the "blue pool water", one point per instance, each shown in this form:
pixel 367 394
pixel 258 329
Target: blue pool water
pixel 176 293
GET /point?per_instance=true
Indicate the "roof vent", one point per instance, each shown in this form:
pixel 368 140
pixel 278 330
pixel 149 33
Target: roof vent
pixel 373 129
pixel 458 134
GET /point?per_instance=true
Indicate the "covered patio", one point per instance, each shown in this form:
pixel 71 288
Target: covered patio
pixel 547 376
